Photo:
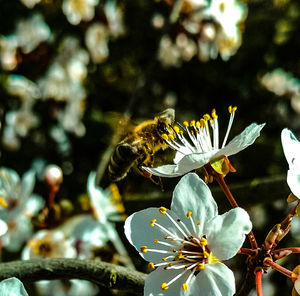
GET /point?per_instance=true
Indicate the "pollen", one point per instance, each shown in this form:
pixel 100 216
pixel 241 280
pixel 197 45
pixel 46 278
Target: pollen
pixel 231 109
pixel 162 210
pixel 188 214
pixel 165 137
pixel 164 286
pixel 152 223
pixel 144 249
pixel 184 286
pixel 206 254
pixel 214 114
pixel 176 129
pixel 203 241
pixel 2 202
pixel 151 265
pixel 202 122
pixel 206 117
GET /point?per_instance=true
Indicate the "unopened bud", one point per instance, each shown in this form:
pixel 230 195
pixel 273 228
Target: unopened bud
pixel 53 175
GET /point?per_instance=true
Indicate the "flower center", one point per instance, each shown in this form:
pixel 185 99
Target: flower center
pixel 41 247
pixel 184 251
pixel 198 136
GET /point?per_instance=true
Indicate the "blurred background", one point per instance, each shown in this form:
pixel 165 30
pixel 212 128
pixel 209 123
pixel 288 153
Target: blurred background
pixel 76 74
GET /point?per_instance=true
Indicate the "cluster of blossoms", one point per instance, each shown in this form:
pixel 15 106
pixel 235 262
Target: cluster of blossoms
pixel 205 29
pixel 63 81
pixel 285 84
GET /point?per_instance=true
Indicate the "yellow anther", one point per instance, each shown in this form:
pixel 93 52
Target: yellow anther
pixel 171 240
pixel 232 109
pixel 170 264
pixel 206 254
pixel 201 266
pixel 211 122
pixel 188 214
pixel 164 286
pixel 192 123
pixel 294 276
pixel 203 241
pixel 165 137
pixel 152 223
pixel 166 237
pixel 144 249
pixel 164 259
pixel 202 122
pixel 176 129
pixel 162 210
pixel 198 124
pixel 2 202
pixel 185 123
pixel 222 6
pixel 171 137
pixel 184 286
pixel 206 117
pixel 151 265
pixel 174 250
pixel 156 241
pixel 198 222
pixel 214 114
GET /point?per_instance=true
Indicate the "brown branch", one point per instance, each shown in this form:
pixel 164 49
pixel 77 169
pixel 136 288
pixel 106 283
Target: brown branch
pixel 101 273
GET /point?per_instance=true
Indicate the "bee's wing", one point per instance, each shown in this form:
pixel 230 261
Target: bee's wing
pixel 168 114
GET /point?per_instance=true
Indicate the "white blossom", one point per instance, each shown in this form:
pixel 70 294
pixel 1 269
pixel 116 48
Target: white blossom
pixel 187 244
pixel 291 149
pixel 197 143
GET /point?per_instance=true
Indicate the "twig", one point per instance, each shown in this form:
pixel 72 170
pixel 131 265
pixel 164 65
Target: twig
pixel 101 273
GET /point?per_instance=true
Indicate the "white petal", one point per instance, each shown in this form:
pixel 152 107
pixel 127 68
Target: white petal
pixel 3 227
pixel 168 171
pixel 226 233
pixel 293 180
pixel 242 141
pixel 12 286
pixel 28 182
pixel 194 161
pixel 140 233
pixel 215 280
pixel 159 276
pixel 192 194
pixel 291 148
pixel 186 164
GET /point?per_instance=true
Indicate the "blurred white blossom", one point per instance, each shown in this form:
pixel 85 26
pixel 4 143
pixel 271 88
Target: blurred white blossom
pixel 31 32
pixel 96 40
pixel 8 52
pixel 79 10
pixel 30 3
pixel 17 215
pixel 208 28
pixel 283 84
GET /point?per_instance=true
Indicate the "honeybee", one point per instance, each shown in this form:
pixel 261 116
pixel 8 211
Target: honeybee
pixel 140 145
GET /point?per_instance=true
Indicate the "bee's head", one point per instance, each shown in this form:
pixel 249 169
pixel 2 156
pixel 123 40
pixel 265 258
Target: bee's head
pixel 165 120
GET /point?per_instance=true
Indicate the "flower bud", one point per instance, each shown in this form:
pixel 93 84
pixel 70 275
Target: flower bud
pixel 53 175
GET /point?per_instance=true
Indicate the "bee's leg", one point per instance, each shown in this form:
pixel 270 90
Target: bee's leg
pixel 154 179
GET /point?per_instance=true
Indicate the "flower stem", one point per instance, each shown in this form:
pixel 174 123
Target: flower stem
pixel 247 251
pixel 292 249
pixel 277 267
pixel 221 181
pixel 258 282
